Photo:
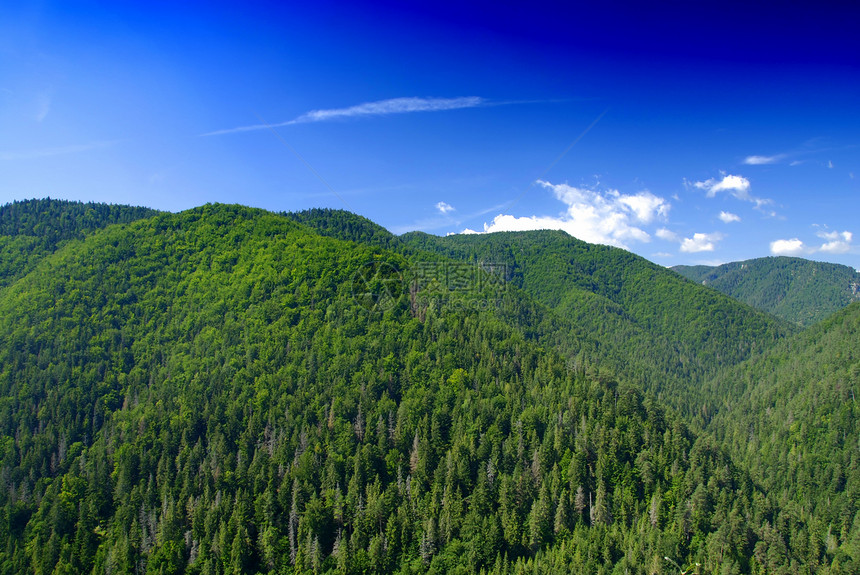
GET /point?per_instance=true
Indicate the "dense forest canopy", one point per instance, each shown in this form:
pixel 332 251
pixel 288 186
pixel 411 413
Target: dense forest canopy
pixel 30 230
pixel 668 333
pixel 227 390
pixel 797 290
pixel 790 416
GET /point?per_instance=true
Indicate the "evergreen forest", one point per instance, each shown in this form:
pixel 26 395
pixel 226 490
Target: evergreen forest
pixel 227 390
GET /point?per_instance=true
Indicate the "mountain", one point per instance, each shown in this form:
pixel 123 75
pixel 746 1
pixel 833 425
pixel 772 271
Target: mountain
pixel 797 290
pixel 227 390
pixel 32 229
pixel 668 333
pixel 790 416
pixel 345 225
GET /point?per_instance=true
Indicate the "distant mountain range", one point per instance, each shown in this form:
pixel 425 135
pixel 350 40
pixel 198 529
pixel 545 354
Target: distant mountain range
pixel 229 390
pixel 795 289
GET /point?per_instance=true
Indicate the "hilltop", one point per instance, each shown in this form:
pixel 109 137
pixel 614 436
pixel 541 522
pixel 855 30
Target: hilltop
pixel 795 289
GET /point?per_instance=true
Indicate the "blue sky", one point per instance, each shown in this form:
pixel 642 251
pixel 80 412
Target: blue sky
pixel 687 134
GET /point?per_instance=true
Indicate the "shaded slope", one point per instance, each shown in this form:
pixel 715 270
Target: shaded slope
pixel 671 331
pixel 32 229
pixel 795 289
pixel 201 393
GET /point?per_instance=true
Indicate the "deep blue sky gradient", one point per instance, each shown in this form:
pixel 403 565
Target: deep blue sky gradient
pixel 112 103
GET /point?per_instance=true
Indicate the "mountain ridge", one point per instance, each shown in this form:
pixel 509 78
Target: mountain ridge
pixel 798 290
pixel 637 308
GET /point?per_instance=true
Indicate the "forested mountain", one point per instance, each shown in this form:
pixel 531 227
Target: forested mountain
pixel 795 289
pixel 32 229
pixel 345 225
pixel 226 390
pixel 671 333
pixel 791 416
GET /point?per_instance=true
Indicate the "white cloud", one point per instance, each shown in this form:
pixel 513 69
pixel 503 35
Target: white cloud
pixel 838 242
pixel 728 217
pixel 645 205
pixel 392 106
pixel 380 108
pixel 700 243
pixel 607 217
pixel 444 207
pixel 792 247
pixel 667 235
pixel 761 160
pixel 835 243
pixel 738 186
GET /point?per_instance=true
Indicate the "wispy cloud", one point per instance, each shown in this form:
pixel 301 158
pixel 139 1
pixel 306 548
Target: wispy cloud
pixel 737 186
pixel 43 106
pixel 491 209
pixel 56 151
pixel 797 156
pixel 728 217
pixel 701 243
pixel 665 234
pixel 837 242
pixel 379 108
pixel 444 207
pixel 763 160
pixel 597 216
pixel 392 106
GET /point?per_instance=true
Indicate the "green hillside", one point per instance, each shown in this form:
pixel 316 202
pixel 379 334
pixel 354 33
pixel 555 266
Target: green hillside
pixel 203 393
pixel 797 290
pixel 791 416
pixel 345 225
pixel 32 229
pixel 671 333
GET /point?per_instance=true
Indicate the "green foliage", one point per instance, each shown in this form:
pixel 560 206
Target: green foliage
pixel 650 325
pixel 201 393
pixel 32 229
pixel 345 225
pixel 797 290
pixel 791 417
